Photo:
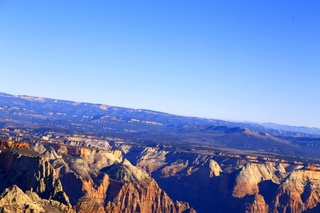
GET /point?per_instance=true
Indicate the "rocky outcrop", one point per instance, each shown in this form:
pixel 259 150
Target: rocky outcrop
pixel 13 144
pixel 94 180
pixel 93 199
pixel 30 171
pixel 299 192
pixel 259 205
pixel 13 199
pixel 234 183
pixel 144 197
pixel 251 174
pixel 215 168
pixel 151 159
pixel 126 188
pixel 126 172
pixel 81 174
pixel 138 192
pixel 101 181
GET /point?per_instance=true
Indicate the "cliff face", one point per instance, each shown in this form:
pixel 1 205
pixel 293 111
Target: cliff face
pixel 233 183
pixel 102 181
pixel 287 188
pixel 12 145
pixel 126 188
pixel 138 192
pixel 30 172
pixel 13 199
pixel 299 192
pixel 144 197
pixel 251 174
pixel 93 180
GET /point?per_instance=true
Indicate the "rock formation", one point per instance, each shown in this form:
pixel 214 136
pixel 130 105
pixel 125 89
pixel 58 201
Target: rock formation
pixel 233 183
pixel 13 199
pixel 102 181
pixel 30 171
pixel 140 191
pixel 99 158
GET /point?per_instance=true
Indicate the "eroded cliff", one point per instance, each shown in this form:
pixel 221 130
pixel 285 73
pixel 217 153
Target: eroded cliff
pixel 222 182
pixel 102 181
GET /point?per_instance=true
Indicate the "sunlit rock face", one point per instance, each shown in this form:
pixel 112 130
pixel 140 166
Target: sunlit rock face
pixel 84 179
pixel 126 188
pixel 62 178
pixel 13 199
pixel 30 172
pixel 103 181
pixel 251 174
pixel 234 183
pixel 299 192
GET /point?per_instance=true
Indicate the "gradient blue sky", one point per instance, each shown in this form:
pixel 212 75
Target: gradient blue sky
pixel 235 60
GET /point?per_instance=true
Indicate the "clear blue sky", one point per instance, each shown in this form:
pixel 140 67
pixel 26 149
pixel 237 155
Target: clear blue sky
pixel 236 60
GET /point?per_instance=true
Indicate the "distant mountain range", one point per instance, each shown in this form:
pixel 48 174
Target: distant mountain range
pixel 44 115
pixel 53 109
pixel 302 129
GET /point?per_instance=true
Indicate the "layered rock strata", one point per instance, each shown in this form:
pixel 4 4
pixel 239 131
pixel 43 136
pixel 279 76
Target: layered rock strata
pixel 230 182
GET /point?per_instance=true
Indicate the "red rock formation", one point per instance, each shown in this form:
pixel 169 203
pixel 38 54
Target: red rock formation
pixel 300 191
pixel 32 172
pixel 229 183
pixel 127 189
pixel 259 205
pixel 13 199
pixel 144 197
pixel 120 187
pixel 93 201
pixel 13 144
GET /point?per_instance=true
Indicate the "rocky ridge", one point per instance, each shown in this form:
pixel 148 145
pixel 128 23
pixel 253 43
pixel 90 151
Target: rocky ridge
pixel 232 183
pixel 13 199
pixel 64 178
pixel 30 172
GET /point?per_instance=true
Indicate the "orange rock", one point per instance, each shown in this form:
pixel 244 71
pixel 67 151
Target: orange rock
pixel 13 144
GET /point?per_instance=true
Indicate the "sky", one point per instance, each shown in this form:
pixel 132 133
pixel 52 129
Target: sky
pixel 254 60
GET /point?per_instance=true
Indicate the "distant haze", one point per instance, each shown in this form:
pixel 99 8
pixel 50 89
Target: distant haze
pixel 235 60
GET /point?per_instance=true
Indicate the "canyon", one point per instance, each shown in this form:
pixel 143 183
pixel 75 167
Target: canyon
pixel 62 156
